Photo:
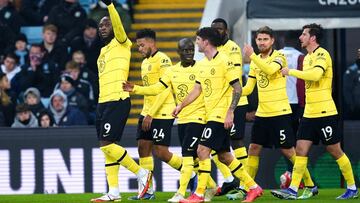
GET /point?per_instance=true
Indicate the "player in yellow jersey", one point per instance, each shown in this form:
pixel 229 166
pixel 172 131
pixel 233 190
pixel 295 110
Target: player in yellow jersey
pixel 219 81
pixel 191 121
pixel 237 131
pixel 155 122
pixel 114 105
pixel 320 120
pixel 273 109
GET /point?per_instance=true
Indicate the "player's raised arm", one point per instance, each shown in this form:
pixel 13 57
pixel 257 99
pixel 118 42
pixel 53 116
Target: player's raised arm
pixel 118 27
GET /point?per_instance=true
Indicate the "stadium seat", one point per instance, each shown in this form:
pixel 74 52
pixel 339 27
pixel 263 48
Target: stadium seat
pixel 33 33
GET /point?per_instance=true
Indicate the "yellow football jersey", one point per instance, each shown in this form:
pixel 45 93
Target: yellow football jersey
pixel 152 68
pixel 233 51
pixel 182 80
pixel 113 62
pixel 273 100
pixel 215 76
pixel 318 98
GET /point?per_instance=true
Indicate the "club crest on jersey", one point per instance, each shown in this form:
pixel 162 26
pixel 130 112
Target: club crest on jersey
pixel 149 67
pixel 212 71
pixel 192 77
pixel 264 80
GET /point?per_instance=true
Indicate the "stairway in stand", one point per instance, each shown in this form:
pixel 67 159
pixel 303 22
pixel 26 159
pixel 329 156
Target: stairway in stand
pixel 172 20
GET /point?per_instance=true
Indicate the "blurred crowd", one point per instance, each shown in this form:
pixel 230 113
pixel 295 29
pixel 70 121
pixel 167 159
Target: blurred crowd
pixel 53 82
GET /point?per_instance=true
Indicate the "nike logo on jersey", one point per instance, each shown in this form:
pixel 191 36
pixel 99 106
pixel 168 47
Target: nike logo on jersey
pixel 105 135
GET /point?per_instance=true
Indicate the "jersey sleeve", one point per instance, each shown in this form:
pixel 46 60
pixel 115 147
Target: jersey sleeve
pixel 320 60
pixel 151 90
pixel 118 27
pixel 313 74
pixel 236 56
pixel 276 64
pixel 250 84
pixel 165 63
pixel 231 73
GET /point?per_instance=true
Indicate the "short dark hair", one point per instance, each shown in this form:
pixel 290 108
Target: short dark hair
pixel 315 30
pixel 42 48
pixel 22 108
pixel 211 34
pixel 13 56
pixel 43 113
pixel 265 30
pixel 220 20
pixel 146 33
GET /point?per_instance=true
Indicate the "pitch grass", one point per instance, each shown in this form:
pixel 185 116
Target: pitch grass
pixel 325 196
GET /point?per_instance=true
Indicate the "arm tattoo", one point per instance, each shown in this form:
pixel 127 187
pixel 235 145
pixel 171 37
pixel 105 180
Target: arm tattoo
pixel 236 95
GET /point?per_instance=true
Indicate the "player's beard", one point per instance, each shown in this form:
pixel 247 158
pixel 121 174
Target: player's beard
pixel 264 50
pixel 108 38
pixel 147 54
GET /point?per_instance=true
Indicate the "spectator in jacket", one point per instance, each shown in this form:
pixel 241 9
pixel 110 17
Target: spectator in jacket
pixel 7 104
pixel 35 12
pixel 33 99
pixel 24 118
pixel 89 43
pixel 86 73
pixel 56 52
pixel 10 17
pixel 10 66
pixel 351 90
pixel 70 19
pixel 65 115
pixel 46 120
pixel 37 73
pixel 74 98
pixel 20 48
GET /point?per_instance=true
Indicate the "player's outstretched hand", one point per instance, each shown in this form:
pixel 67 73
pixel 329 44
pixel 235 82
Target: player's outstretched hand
pixel 176 111
pixel 248 50
pixel 128 86
pixel 285 71
pixel 107 2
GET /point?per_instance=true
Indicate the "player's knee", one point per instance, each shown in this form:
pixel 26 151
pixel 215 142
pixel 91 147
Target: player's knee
pixel 225 158
pixel 288 153
pixel 162 152
pixel 335 150
pixel 203 152
pixel 104 143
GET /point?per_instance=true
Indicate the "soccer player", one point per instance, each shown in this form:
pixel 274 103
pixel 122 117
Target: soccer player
pixel 320 120
pixel 156 121
pixel 114 105
pixel 218 79
pixel 272 126
pixel 180 78
pixel 233 51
